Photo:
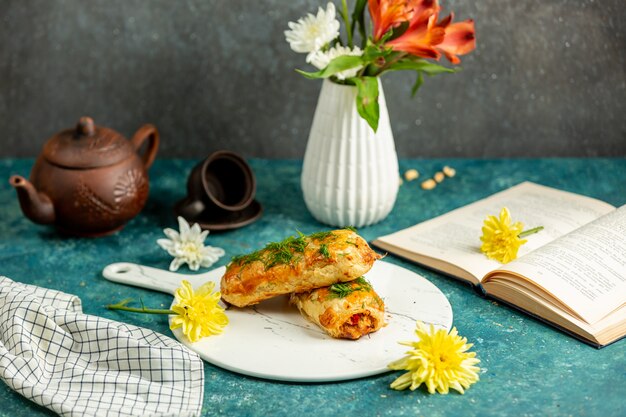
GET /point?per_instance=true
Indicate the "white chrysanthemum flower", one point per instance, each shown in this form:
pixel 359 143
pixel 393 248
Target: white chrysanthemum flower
pixel 310 33
pixel 321 59
pixel 188 247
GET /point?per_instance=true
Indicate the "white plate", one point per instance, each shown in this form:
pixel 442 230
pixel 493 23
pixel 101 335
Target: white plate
pixel 272 340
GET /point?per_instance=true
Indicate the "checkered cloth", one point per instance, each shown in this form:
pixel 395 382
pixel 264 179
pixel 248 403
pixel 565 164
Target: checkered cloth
pixel 81 365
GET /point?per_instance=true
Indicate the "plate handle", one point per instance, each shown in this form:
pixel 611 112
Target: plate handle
pixel 145 277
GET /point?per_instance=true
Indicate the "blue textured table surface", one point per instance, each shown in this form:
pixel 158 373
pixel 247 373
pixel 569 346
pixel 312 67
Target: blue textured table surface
pixel 528 368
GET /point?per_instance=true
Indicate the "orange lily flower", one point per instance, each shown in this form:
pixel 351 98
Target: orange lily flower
pixel 420 37
pixel 460 39
pixel 426 38
pixel 387 14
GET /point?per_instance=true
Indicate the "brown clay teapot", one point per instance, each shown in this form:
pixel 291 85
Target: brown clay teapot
pixel 88 181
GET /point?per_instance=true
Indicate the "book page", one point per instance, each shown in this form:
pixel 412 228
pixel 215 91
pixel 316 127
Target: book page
pixel 511 289
pixel 585 269
pixel 455 237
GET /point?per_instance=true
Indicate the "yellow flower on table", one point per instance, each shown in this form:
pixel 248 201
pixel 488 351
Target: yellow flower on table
pixel 199 313
pixel 439 359
pixel 501 238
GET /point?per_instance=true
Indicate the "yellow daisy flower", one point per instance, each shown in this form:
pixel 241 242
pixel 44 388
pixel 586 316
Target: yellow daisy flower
pixel 501 239
pixel 439 360
pixel 199 313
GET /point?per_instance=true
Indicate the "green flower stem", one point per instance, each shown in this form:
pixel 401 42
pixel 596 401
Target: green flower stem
pixel 346 19
pixel 395 59
pixel 530 231
pixel 377 71
pixel 122 306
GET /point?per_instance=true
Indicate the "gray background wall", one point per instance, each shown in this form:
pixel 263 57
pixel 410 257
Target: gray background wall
pixel 548 78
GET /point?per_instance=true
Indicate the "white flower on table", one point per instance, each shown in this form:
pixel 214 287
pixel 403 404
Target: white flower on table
pixel 321 59
pixel 188 247
pixel 312 32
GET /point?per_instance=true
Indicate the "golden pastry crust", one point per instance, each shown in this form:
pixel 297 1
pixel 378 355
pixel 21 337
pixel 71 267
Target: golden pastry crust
pixel 297 264
pixel 359 313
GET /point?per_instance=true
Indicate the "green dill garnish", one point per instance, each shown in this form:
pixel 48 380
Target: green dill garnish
pixel 287 252
pixel 340 290
pixel 298 243
pixel 324 250
pixel 243 260
pixel 365 285
pixel 379 301
pixel 350 228
pixel 350 242
pixel 343 289
pixel 321 235
pixel 276 253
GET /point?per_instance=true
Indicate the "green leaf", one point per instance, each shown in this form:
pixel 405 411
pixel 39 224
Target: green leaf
pixel 418 83
pixel 386 36
pixel 372 52
pixel 341 63
pixel 358 16
pixel 393 33
pixel 426 67
pixel 399 30
pixel 374 57
pixel 367 100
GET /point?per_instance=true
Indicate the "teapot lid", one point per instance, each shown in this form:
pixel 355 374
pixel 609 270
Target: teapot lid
pixel 87 146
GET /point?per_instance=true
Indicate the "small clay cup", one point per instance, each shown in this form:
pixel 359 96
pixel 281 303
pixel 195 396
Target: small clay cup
pixel 221 183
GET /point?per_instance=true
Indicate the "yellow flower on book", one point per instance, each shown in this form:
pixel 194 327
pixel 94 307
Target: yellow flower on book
pixel 199 313
pixel 439 359
pixel 501 238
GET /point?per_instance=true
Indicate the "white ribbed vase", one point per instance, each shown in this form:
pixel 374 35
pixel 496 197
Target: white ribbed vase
pixel 350 172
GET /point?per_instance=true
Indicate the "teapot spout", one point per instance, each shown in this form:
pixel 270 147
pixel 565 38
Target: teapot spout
pixel 35 205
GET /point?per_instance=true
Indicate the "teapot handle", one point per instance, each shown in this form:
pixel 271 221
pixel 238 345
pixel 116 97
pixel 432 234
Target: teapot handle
pixel 147 132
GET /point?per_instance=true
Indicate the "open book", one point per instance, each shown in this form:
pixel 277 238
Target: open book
pixel 572 274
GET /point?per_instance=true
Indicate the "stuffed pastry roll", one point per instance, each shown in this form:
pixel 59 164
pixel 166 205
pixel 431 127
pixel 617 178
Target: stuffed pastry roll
pixel 296 264
pixel 347 310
